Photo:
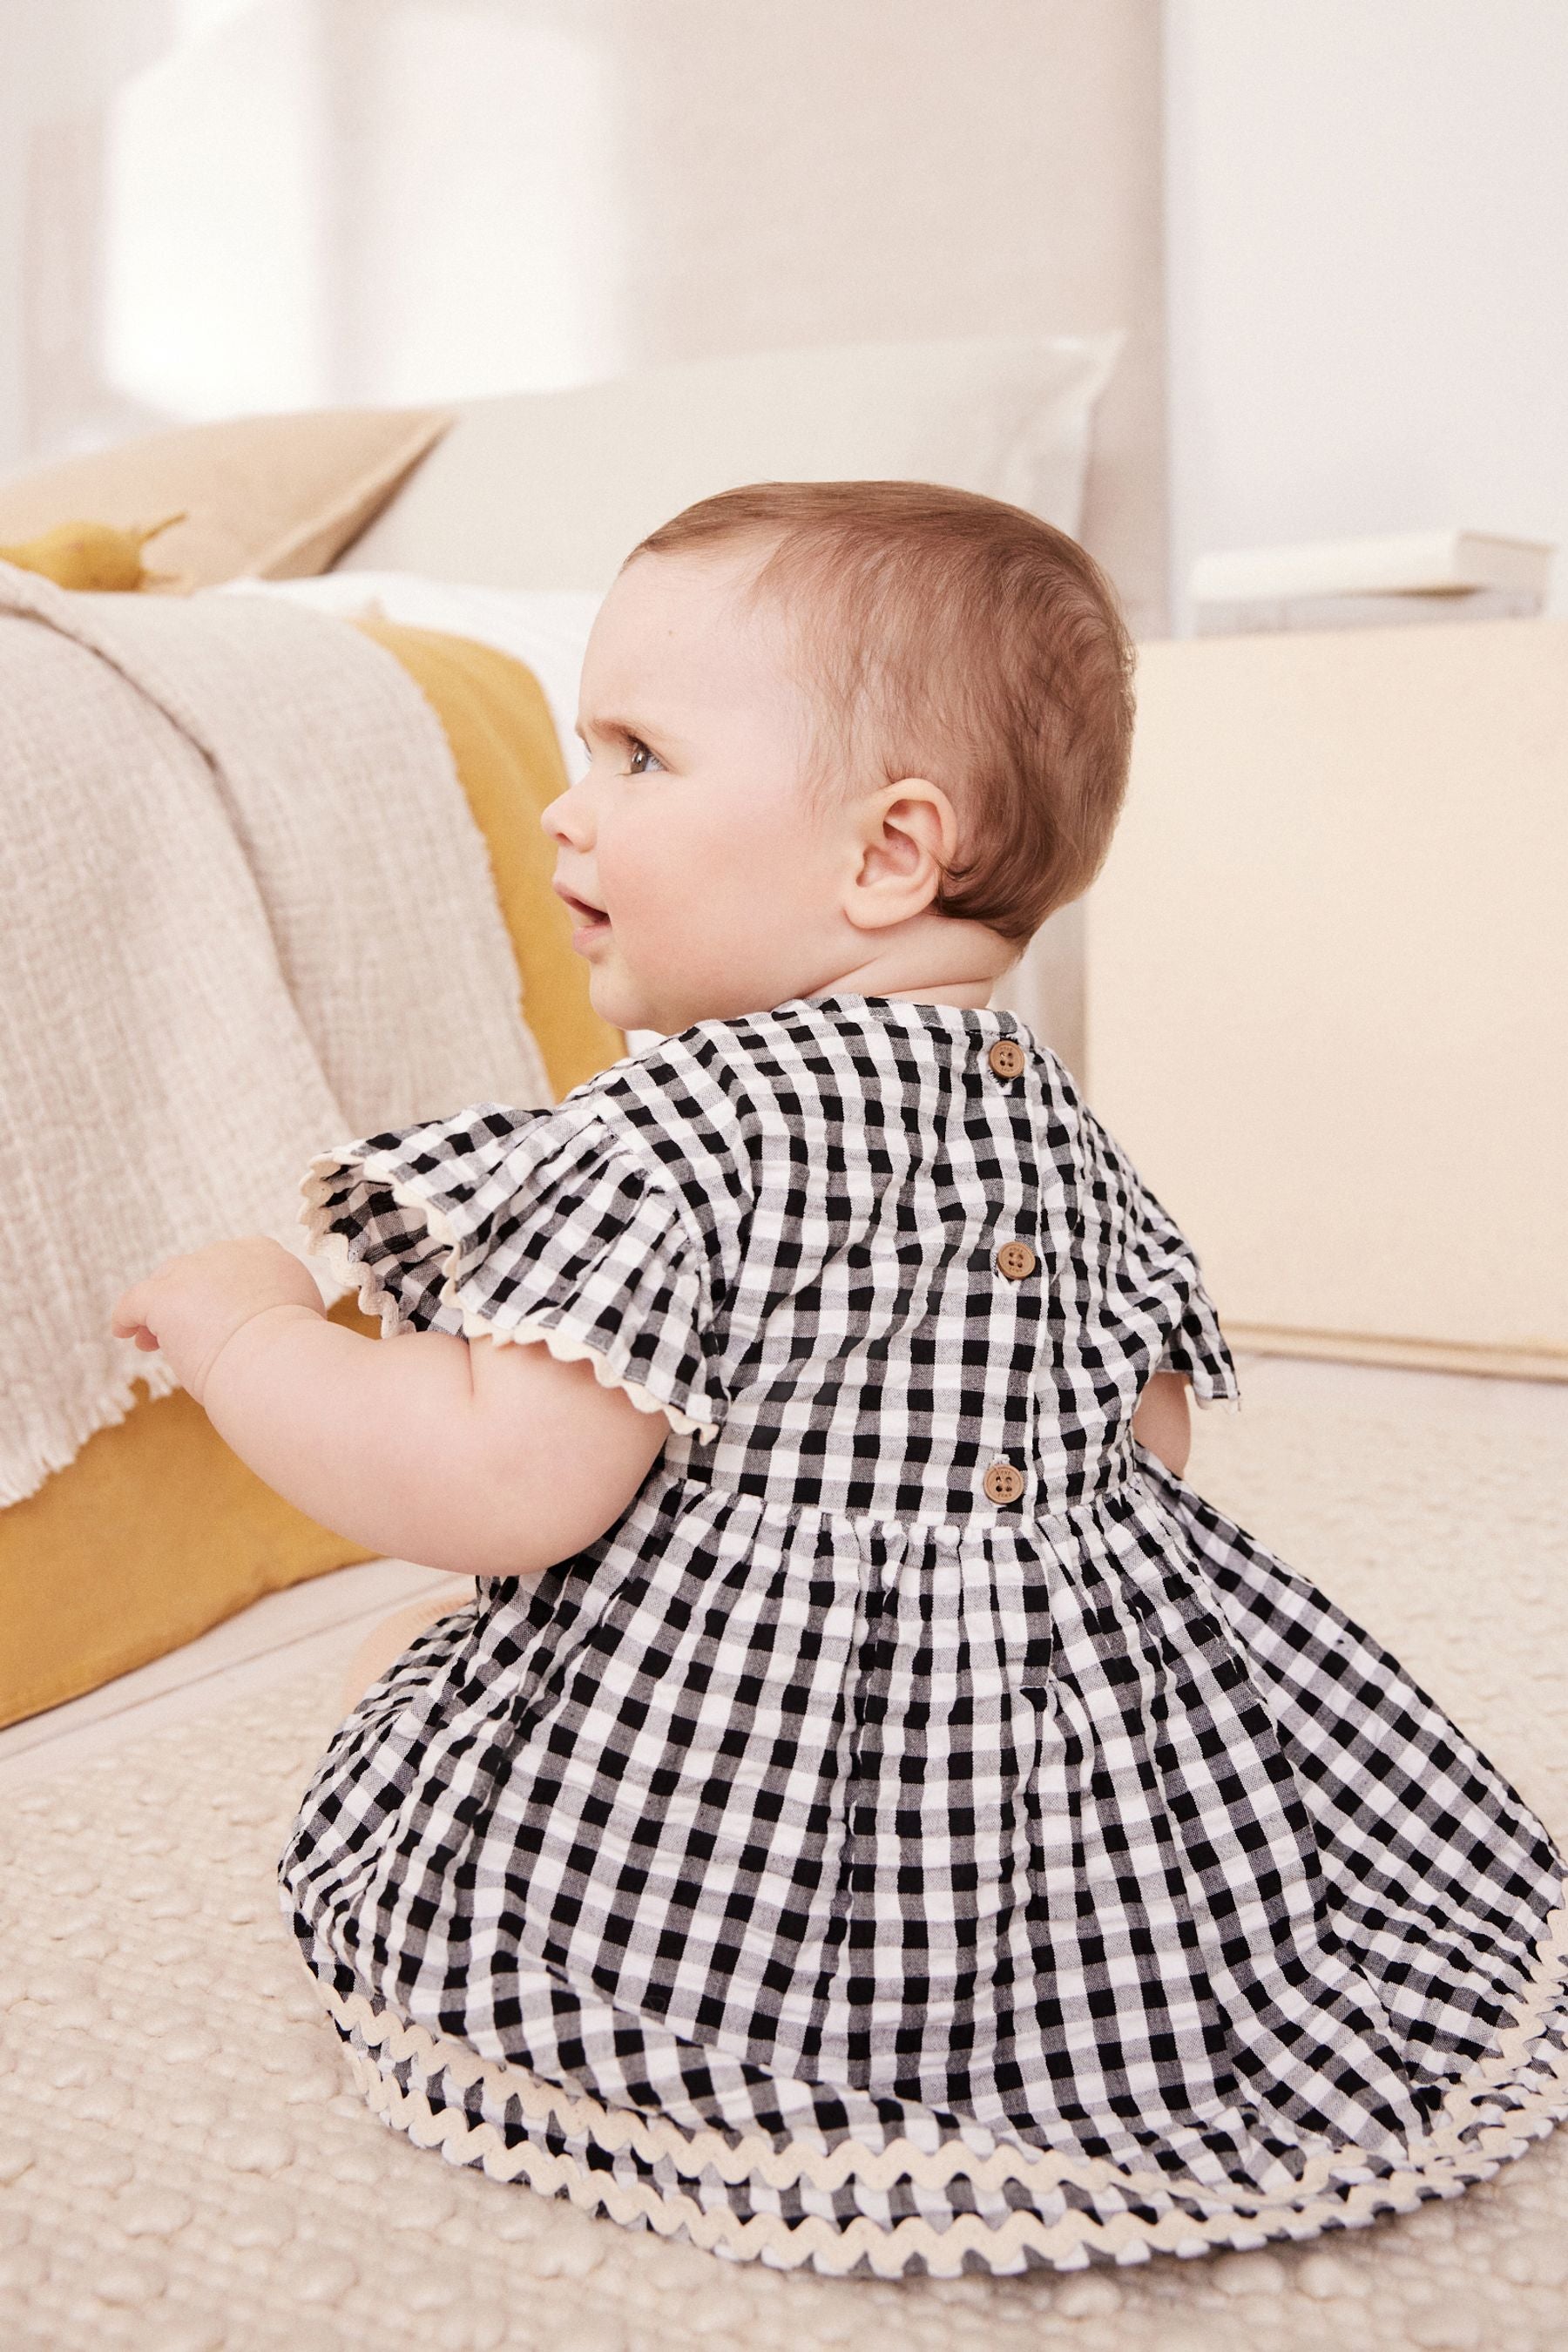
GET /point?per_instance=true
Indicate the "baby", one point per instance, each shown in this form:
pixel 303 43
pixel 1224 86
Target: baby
pixel 870 1810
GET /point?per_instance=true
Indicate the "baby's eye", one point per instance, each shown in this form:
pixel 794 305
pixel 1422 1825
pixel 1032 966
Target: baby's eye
pixel 640 751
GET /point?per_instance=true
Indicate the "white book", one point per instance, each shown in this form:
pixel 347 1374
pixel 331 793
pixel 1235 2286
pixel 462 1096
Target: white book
pixel 1416 561
pixel 1242 617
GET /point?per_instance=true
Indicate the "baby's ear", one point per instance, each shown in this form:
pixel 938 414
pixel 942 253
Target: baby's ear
pixel 909 838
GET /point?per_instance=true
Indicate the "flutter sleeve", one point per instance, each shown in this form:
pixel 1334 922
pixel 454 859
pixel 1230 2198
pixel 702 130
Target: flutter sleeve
pixel 1194 1341
pixel 1198 1347
pixel 521 1224
pixel 1159 1281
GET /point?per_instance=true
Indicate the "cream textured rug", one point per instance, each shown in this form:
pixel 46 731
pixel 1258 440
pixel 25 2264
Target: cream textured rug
pixel 182 2164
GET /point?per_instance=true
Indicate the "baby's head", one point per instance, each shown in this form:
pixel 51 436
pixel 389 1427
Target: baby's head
pixel 851 736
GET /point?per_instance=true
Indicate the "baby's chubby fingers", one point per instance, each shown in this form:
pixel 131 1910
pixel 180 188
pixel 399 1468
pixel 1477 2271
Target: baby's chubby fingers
pixel 135 1312
pixel 126 1322
pixel 191 1305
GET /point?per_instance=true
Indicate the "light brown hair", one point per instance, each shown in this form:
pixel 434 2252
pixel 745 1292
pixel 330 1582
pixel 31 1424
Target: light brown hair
pixel 951 637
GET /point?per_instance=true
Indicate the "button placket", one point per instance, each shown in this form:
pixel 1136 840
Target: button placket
pixel 1003 1482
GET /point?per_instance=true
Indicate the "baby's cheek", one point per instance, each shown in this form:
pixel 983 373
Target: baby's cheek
pixel 691 891
pixel 646 904
pixel 652 887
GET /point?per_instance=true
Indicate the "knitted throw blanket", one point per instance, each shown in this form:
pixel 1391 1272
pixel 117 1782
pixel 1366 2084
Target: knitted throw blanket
pixel 247 916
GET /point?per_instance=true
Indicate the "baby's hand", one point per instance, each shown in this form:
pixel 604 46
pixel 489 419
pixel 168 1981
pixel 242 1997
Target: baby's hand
pixel 191 1305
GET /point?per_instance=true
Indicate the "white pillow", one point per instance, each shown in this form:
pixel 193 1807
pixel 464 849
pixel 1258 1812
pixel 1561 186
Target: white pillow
pixel 553 489
pixel 547 629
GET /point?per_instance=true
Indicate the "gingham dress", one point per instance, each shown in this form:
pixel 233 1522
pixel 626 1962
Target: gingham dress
pixel 921 1832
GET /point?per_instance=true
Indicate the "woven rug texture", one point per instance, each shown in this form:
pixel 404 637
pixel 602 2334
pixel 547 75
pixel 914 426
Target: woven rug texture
pixel 184 2166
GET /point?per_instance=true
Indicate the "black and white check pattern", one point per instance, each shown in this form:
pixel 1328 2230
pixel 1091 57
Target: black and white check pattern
pixel 824 1797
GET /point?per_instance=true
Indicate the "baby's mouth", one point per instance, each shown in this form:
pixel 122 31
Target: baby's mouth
pixel 584 917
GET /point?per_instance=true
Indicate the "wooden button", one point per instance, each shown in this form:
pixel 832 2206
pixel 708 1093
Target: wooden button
pixel 1007 1057
pixel 1015 1259
pixel 1003 1483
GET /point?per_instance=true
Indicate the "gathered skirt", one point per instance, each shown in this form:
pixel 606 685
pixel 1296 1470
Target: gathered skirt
pixel 1303 1961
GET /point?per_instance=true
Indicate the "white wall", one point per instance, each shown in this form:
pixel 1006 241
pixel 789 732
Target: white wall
pixel 59 64
pixel 309 203
pixel 1367 258
pixel 217 283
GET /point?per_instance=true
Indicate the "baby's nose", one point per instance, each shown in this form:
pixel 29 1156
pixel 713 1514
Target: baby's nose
pixel 565 819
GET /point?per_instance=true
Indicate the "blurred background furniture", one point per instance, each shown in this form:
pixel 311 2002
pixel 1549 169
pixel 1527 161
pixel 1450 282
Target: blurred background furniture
pixel 1327 987
pixel 224 207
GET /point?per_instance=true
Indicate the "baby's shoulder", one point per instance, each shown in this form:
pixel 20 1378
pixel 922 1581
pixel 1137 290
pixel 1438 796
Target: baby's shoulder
pixel 698 1105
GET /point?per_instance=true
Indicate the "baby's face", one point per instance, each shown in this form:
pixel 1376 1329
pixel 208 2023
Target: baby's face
pixel 717 893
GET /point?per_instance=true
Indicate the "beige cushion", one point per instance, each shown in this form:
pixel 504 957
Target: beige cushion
pixel 279 497
pixel 553 489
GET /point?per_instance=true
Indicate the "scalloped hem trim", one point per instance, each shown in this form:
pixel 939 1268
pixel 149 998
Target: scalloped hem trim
pixel 374 1298
pixel 1460 2148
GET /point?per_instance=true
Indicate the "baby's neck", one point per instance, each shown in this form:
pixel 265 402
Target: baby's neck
pixel 937 963
pixel 976 993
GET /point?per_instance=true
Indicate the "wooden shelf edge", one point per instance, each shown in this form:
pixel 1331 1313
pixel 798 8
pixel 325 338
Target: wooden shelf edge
pixel 1406 1355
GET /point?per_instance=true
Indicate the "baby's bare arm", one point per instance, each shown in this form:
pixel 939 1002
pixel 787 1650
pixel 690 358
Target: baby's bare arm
pixel 397 1444
pixel 1162 1421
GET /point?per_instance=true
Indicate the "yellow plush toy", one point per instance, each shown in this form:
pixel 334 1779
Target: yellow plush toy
pixel 92 555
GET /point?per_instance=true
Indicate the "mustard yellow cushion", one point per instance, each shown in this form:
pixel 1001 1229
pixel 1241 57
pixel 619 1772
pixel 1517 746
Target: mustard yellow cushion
pixel 156 1531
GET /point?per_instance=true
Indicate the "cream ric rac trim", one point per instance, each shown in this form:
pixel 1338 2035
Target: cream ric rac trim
pixel 1441 2160
pixel 374 1298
